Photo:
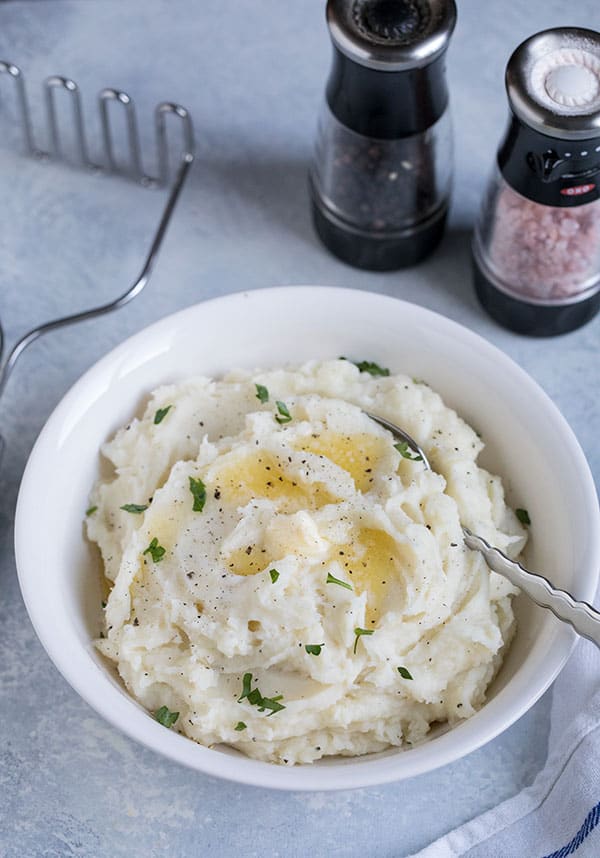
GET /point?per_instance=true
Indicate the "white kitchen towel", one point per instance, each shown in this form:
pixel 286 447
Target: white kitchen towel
pixel 559 814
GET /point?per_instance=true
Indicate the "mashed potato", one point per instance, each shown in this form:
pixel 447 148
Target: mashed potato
pixel 285 579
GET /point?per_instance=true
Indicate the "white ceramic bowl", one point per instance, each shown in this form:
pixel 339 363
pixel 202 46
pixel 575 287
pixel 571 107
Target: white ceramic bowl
pixel 528 443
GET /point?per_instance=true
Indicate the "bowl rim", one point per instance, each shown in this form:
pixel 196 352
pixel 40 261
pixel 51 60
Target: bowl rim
pixel 366 771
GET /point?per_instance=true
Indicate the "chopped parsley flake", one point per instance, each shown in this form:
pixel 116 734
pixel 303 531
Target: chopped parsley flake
pixel 314 649
pixel 523 516
pixel 198 490
pixel 240 726
pixel 284 415
pixel 404 451
pixel 135 508
pixel 358 633
pixel 271 703
pixel 156 551
pixel 262 393
pixel 161 414
pixel 404 673
pixel 246 686
pixel 370 367
pixel 274 575
pixel 166 718
pixel 332 580
pixel 91 510
pixel 255 698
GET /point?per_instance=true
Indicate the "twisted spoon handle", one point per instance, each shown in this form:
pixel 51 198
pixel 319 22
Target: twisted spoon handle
pixel 584 619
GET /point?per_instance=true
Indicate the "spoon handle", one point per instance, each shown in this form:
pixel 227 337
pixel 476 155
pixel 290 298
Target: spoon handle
pixel 584 619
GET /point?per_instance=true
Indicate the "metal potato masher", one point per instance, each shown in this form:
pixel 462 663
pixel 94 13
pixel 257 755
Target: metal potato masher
pixel 133 169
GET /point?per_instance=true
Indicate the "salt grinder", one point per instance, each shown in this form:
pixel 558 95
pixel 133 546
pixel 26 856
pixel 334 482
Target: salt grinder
pixel 381 175
pixel 537 243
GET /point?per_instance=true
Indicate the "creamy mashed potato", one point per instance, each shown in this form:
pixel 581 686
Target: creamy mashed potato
pixel 285 579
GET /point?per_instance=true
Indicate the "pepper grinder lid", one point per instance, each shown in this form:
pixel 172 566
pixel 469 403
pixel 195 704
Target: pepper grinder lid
pixel 553 83
pixel 391 35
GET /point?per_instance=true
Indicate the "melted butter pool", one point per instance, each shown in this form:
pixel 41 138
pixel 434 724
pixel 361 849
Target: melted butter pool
pixel 244 562
pixel 264 475
pixel 374 565
pixel 355 454
pixel 372 560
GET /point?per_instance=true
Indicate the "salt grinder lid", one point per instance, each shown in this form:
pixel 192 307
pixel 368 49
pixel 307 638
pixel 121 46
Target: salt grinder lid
pixel 553 83
pixel 391 35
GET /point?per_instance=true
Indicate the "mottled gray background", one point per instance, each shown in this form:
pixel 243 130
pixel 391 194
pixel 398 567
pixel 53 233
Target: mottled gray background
pixel 252 72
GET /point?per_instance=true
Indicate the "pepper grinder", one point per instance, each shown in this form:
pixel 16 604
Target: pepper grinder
pixel 381 175
pixel 536 247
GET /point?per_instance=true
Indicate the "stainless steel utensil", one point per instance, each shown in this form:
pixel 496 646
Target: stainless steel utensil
pixel 581 616
pixel 133 169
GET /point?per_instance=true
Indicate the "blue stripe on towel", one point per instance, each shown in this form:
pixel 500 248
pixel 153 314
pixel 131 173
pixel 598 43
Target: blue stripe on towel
pixel 590 822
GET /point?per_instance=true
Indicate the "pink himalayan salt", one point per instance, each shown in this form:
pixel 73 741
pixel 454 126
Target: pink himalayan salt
pixel 545 252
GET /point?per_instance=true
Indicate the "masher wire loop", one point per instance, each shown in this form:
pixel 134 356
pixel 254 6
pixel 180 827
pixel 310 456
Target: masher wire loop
pixel 51 85
pixel 135 158
pixel 134 167
pixel 108 163
pixel 15 74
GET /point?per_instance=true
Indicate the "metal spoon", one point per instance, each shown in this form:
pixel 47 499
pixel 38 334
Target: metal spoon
pixel 581 616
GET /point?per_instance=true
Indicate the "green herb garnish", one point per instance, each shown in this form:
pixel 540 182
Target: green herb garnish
pixel 240 726
pixel 284 415
pixel 272 704
pixel 274 575
pixel 91 510
pixel 523 516
pixel 156 551
pixel 332 580
pixel 404 451
pixel 404 673
pixel 262 393
pixel 314 649
pixel 198 490
pixel 255 698
pixel 135 508
pixel 358 633
pixel 161 414
pixel 370 367
pixel 246 686
pixel 166 718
